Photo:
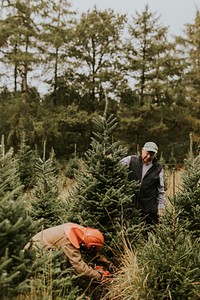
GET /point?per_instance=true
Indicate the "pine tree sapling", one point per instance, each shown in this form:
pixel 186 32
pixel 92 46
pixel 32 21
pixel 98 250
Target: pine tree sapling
pixel 46 206
pixel 166 266
pixel 26 159
pixel 16 227
pixel 188 200
pixel 103 197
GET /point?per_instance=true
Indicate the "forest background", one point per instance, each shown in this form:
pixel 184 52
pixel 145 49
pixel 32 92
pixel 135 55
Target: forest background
pixel 151 80
pixel 109 86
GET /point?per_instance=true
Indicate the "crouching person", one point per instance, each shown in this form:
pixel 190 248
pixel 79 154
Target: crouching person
pixel 72 238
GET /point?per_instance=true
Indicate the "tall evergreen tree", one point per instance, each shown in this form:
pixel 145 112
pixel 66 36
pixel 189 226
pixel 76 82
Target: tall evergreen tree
pixel 154 107
pixel 21 43
pixel 103 197
pixel 190 46
pixel 151 57
pixel 55 35
pixel 97 48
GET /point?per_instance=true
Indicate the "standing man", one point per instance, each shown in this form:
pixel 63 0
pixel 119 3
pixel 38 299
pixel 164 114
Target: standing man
pixel 146 170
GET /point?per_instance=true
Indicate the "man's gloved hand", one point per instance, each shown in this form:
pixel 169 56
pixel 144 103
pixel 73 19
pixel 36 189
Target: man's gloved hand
pixel 104 274
pixel 101 260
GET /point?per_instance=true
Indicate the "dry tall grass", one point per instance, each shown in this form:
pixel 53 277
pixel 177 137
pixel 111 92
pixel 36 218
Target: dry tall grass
pixel 128 279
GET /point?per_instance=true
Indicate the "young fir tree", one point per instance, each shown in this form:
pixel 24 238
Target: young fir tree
pixel 46 206
pixel 188 200
pixel 165 267
pixel 16 227
pixel 171 258
pixel 103 198
pixel 26 159
pixel 171 255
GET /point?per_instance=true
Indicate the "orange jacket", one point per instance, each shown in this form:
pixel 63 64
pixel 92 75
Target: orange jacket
pixel 56 237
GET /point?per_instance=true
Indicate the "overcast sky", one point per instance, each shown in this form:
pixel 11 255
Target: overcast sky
pixel 173 13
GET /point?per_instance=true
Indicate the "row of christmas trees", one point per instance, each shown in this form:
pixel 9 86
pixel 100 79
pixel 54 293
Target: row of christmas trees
pixel 166 266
